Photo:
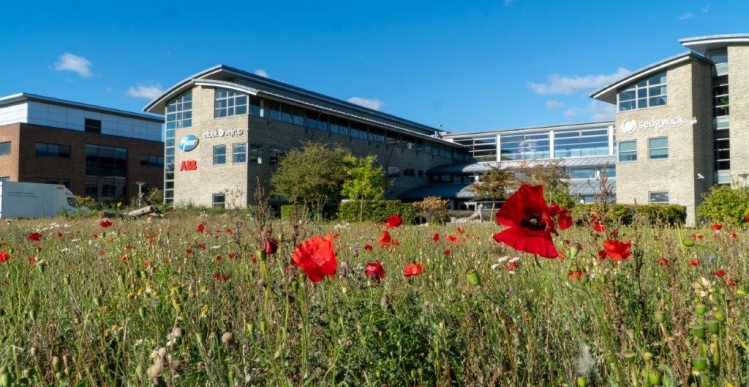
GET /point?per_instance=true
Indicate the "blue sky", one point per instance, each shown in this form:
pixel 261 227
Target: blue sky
pixel 468 65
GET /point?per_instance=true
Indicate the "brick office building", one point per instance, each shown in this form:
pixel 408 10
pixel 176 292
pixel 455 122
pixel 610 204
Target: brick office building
pixel 226 127
pixel 94 151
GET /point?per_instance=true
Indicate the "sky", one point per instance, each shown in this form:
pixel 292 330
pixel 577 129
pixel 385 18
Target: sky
pixel 459 65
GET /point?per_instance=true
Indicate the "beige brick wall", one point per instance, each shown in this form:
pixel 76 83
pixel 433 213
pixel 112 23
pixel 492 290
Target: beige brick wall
pixel 197 187
pixel 738 89
pixel 690 145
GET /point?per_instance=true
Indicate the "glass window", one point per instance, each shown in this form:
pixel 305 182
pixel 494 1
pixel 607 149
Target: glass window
pixel 239 153
pixel 4 148
pixel 219 200
pixel 658 197
pixel 52 150
pixel 524 146
pixel 275 155
pixel 152 161
pixel 179 112
pixel 628 150
pixel 658 148
pixel 577 143
pixel 229 103
pixel 92 126
pixel 219 154
pixel 255 154
pixel 644 94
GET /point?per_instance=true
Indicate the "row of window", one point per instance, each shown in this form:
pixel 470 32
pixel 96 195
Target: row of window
pixel 246 153
pixel 644 94
pixel 657 149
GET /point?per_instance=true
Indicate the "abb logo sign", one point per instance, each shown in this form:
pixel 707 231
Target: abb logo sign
pixel 188 165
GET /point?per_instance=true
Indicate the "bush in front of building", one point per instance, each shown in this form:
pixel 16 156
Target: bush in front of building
pixel 671 214
pixel 288 212
pixel 433 209
pixel 725 204
pixel 376 210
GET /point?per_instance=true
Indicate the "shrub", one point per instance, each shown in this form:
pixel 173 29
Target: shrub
pixel 671 214
pixel 434 209
pixel 287 212
pixel 376 211
pixel 725 204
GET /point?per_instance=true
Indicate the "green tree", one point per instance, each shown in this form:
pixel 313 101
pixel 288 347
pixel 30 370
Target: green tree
pixel 725 204
pixel 312 175
pixel 493 184
pixel 552 175
pixel 366 180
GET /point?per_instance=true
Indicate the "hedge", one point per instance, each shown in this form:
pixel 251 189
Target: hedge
pixel 671 214
pixel 376 211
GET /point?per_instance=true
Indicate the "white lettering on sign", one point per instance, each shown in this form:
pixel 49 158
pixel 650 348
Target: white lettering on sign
pixel 629 126
pixel 223 133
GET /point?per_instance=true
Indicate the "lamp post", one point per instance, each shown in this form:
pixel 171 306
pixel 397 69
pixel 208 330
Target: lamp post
pixel 140 192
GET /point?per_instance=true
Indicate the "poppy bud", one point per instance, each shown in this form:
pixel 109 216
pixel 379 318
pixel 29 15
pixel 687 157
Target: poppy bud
pixel 720 316
pixel 699 363
pixel 698 331
pixel 659 317
pixel 574 249
pixel 581 381
pixel 687 243
pixel 700 309
pixel 473 277
pixel 655 376
pixel 713 327
pixel 648 356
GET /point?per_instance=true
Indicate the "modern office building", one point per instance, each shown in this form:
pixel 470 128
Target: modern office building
pixel 227 129
pixel 94 151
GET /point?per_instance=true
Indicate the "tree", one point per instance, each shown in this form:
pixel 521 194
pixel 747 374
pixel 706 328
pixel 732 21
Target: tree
pixel 313 174
pixel 725 204
pixel 493 184
pixel 552 175
pixel 366 181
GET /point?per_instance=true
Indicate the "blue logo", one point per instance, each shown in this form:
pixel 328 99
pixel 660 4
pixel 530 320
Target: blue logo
pixel 188 142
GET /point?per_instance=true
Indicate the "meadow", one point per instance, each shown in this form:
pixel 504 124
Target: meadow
pixel 206 299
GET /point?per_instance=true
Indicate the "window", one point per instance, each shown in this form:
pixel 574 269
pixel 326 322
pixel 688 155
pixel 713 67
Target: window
pixel 52 150
pixel 409 172
pixel 54 180
pixel 179 112
pixel 658 148
pixel 394 172
pixel 524 146
pixel 106 173
pixel 586 142
pixel 275 155
pixel 239 153
pixel 92 126
pixel 4 148
pixel 255 154
pixel 658 197
pixel 628 150
pixel 219 200
pixel 219 154
pixel 644 94
pixel 152 161
pixel 229 103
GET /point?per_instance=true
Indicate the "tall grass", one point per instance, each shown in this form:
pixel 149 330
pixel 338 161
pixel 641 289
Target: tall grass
pixel 156 302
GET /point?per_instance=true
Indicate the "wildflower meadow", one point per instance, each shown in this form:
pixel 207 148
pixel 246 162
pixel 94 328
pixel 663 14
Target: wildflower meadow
pixel 532 298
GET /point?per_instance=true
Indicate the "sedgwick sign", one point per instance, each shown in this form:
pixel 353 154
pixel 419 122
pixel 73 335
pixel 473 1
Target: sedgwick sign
pixel 629 126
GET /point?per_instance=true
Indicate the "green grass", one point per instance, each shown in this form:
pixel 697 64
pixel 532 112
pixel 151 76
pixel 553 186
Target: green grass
pixel 127 304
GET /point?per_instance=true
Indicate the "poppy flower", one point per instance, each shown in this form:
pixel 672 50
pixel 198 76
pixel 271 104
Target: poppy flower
pixel 33 261
pixel 719 273
pixel 616 250
pixel 105 223
pixel 530 222
pixel 375 271
pixel 393 221
pixel 271 245
pixel 716 226
pixel 316 257
pixel 662 261
pixel 4 256
pixel 460 230
pixel 512 265
pixel 436 237
pixel 447 252
pixel 34 236
pixel 413 269
pixel 368 247
pixel 385 238
pixel 452 238
pixel 694 262
pixel 576 275
pixel 200 227
pixel 598 227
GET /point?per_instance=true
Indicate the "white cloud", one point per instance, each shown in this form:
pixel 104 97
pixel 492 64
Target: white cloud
pixel 706 8
pixel 554 104
pixel 148 92
pixel 568 85
pixel 261 73
pixel 509 2
pixel 374 104
pixel 78 64
pixel 595 111
pixel 686 16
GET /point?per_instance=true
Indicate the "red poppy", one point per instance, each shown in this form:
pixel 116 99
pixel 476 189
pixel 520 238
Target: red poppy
pixel 368 247
pixel 734 236
pixel 413 269
pixel 375 271
pixel 4 256
pixel 731 285
pixel 393 221
pixel 452 238
pixel 530 222
pixel 271 245
pixel 385 238
pixel 34 236
pixel 598 227
pixel 448 252
pixel 200 227
pixel 716 226
pixel 33 261
pixel 578 275
pixel 105 223
pixel 460 230
pixel 511 266
pixel 218 257
pixel 316 257
pixel 694 262
pixel 436 237
pixel 220 277
pixel 253 259
pixel 719 273
pixel 662 261
pixel 616 250
pixel 746 218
